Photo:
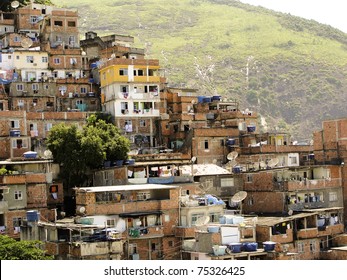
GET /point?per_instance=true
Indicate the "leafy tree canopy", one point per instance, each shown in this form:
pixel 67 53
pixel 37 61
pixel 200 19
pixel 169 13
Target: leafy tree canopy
pixel 11 249
pixel 78 151
pixel 5 5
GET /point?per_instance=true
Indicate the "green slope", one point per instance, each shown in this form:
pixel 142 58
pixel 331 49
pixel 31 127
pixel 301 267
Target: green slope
pixel 290 70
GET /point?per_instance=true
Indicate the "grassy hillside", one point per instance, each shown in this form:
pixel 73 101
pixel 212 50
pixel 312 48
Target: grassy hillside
pixel 292 71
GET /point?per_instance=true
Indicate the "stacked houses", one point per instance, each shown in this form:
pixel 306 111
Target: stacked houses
pixel 201 182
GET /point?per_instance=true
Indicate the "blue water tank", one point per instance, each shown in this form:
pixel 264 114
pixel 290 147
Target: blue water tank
pixel 216 98
pixel 33 216
pixel 15 133
pixel 251 128
pixel 201 99
pixel 237 169
pixel 230 142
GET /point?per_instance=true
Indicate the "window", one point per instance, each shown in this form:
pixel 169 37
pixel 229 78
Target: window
pixel 58 23
pixel 56 60
pixel 171 243
pixel 155 246
pixel 293 160
pixel 132 248
pixel 110 223
pixel 1 106
pixel 83 90
pixel 17 222
pixel 227 182
pixel 73 61
pixel 48 126
pixel 128 126
pixel 19 143
pixel 142 123
pixel 301 247
pixel 33 19
pixel 35 87
pixel 15 124
pixel 332 196
pixel 30 59
pixel 79 102
pixel 249 178
pixel 313 246
pixel 195 218
pixel 16 39
pixel 20 103
pixel 72 40
pixel 206 144
pixel 18 195
pixel 71 24
pixel 214 218
pixel 58 38
pixel 44 59
pixel 19 87
pixel 123 72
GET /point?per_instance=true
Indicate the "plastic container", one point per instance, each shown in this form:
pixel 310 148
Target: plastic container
pixel 33 216
pixel 222 220
pixel 250 246
pixel 213 229
pixel 235 247
pixel 219 250
pixel 269 245
pixel 30 154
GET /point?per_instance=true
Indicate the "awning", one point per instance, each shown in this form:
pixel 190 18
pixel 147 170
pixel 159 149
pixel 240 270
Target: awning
pixel 138 214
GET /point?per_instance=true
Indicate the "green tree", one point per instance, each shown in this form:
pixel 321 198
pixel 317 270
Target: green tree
pixel 5 5
pixel 10 249
pixel 78 151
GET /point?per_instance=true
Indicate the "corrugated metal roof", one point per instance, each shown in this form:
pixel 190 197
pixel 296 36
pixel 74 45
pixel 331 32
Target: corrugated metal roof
pixel 271 221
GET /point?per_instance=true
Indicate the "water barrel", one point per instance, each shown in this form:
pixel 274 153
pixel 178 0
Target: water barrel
pixel 33 216
pixel 222 220
pixel 251 128
pixel 15 133
pixel 235 247
pixel 201 99
pixel 236 169
pixel 311 156
pixel 207 100
pixel 250 246
pixel 269 245
pixel 213 229
pixel 230 142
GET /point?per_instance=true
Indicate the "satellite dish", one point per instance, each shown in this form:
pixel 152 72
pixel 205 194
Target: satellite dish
pixel 26 43
pixel 81 209
pixel 232 156
pixel 214 161
pixel 273 162
pixel 239 196
pixel 290 212
pixel 121 226
pixel 193 101
pixel 262 164
pixel 113 55
pixel 193 159
pixel 47 154
pixel 14 4
pixel 201 221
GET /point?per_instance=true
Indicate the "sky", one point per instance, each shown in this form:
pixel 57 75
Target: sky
pixel 331 12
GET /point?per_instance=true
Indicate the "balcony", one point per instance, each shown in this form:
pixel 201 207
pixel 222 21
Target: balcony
pixel 146 232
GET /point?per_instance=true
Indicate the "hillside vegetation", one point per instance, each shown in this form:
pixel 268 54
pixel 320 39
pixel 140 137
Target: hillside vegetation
pixel 290 70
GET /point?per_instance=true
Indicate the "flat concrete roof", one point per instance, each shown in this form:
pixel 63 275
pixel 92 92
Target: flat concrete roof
pixel 127 188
